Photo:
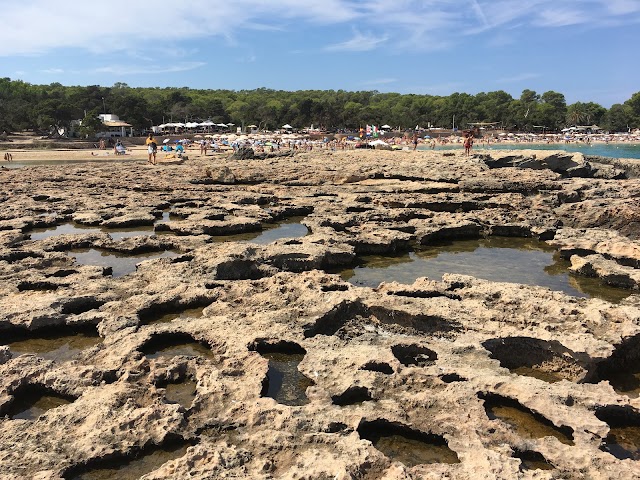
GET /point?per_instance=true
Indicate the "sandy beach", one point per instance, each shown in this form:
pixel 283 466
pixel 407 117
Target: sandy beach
pixel 27 148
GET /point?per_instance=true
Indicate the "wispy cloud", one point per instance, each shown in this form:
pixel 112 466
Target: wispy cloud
pixel 149 69
pixel 359 42
pixel 518 78
pixel 622 7
pixel 558 17
pixel 247 59
pixel 445 88
pixel 53 70
pixel 477 8
pixel 38 27
pixel 379 81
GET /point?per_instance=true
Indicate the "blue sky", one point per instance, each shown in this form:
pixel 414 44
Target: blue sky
pixel 585 49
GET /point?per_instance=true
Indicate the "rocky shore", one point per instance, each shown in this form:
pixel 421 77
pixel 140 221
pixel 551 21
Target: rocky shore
pixel 434 362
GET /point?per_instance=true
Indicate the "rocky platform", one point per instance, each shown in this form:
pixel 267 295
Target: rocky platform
pixel 428 361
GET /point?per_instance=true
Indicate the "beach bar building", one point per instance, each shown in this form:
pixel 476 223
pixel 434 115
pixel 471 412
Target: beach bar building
pixel 114 127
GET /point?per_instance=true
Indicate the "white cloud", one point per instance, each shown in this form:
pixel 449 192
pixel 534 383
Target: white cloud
pixel 53 70
pixel 135 28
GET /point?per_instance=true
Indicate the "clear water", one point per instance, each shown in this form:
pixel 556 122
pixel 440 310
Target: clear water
pixel 187 349
pixel 287 385
pixel 285 230
pixel 412 452
pixel 183 393
pixel 64 229
pixel 624 442
pixel 498 259
pixel 549 377
pixel 270 233
pixel 530 460
pixel 133 469
pixel 625 150
pixel 121 264
pixel 31 406
pixel 525 423
pixel 73 228
pixel 625 382
pixel 171 316
pixel 57 348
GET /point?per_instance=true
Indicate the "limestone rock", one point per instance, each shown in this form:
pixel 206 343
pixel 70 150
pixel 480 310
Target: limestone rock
pixel 182 353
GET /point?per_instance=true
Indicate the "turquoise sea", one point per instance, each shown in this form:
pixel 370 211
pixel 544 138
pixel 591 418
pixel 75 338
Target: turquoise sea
pixel 625 150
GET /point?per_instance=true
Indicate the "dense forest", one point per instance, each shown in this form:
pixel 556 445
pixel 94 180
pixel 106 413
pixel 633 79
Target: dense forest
pixel 42 108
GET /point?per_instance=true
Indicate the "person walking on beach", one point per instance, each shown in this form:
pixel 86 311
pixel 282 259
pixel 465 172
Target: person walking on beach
pixel 8 157
pixel 152 149
pixel 415 141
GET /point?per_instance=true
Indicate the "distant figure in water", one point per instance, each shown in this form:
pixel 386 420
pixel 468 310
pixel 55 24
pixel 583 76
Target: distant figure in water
pixel 8 157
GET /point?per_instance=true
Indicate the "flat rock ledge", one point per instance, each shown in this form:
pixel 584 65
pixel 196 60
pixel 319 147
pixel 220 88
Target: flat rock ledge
pixel 429 357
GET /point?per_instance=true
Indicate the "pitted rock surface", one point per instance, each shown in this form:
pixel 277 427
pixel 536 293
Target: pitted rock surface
pixel 425 356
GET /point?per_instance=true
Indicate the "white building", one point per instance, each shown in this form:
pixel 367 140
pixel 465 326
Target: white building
pixel 114 126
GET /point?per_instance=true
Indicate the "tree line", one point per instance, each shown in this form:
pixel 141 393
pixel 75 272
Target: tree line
pixel 42 108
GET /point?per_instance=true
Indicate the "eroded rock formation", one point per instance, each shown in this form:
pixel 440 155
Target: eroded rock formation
pixel 434 360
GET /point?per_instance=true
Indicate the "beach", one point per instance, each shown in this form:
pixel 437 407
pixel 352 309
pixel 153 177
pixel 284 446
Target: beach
pixel 29 148
pixel 149 315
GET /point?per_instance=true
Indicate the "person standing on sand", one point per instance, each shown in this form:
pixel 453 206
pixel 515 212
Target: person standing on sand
pixel 415 141
pixel 152 149
pixel 468 143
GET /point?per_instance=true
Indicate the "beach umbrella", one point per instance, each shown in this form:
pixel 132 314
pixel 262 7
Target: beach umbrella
pixel 287 126
pixel 386 127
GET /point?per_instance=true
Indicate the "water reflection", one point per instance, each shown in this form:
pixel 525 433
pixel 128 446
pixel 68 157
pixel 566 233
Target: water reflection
pixel 120 263
pixel 286 384
pixel 116 233
pixel 56 347
pixel 405 445
pixel 134 468
pixel 182 392
pixel 499 259
pixel 525 423
pixel 64 229
pixel 291 228
pixel 34 404
pixel 626 382
pixel 185 348
pixel 168 317
pixel 623 442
